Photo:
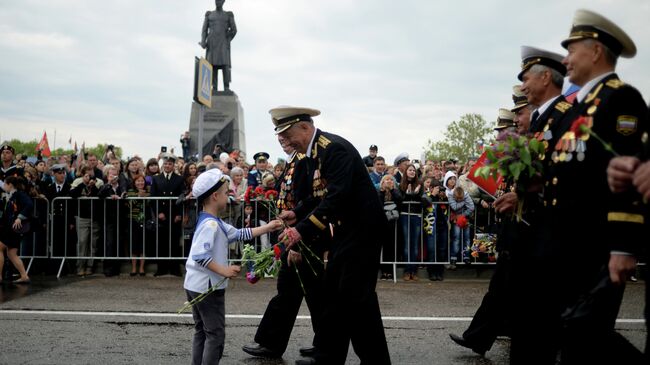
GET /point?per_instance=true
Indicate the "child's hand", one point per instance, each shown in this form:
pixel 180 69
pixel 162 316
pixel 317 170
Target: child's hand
pixel 275 225
pixel 232 271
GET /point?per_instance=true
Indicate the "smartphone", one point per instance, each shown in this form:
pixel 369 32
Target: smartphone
pixel 163 149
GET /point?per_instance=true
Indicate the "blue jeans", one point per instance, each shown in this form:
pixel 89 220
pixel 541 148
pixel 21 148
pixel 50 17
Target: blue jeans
pixel 412 229
pixel 437 244
pixel 455 247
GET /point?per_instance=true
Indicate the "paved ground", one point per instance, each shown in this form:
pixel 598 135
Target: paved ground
pixel 128 320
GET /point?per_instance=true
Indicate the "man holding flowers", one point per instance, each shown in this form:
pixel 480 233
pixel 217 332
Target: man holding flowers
pixel 351 208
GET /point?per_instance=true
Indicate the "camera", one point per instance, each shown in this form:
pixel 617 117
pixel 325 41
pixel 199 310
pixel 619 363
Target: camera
pixel 229 165
pixel 110 147
pixel 163 149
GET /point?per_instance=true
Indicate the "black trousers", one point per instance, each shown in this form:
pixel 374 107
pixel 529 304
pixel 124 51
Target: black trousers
pixel 280 315
pixel 351 314
pixel 493 317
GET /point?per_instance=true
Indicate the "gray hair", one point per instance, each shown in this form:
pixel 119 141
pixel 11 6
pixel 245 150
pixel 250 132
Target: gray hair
pixel 556 77
pixel 610 56
pixel 237 171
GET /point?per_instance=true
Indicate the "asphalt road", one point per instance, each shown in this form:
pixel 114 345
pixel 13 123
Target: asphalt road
pixel 124 320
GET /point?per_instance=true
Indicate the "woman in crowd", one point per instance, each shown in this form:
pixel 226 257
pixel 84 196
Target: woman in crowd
pixel 138 217
pixel 132 169
pixel 14 223
pixel 436 227
pixel 411 219
pixel 189 170
pixel 389 195
pixel 152 169
pixel 87 218
pixel 449 183
pixel 462 208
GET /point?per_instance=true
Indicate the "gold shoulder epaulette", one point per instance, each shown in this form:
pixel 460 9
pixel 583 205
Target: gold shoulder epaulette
pixel 323 141
pixel 614 83
pixel 562 106
pixel 300 156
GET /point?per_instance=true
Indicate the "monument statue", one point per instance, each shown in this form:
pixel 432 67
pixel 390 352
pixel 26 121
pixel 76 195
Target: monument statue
pixel 218 30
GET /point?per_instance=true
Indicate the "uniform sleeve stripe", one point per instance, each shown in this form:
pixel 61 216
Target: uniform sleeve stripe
pixel 245 234
pixel 625 217
pixel 316 222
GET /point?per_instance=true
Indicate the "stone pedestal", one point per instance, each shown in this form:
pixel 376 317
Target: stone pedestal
pixel 223 124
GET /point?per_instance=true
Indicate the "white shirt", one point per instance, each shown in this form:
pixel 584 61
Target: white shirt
pixel 586 89
pixel 545 106
pixel 311 144
pixel 210 243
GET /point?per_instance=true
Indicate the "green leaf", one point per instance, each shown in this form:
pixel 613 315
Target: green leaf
pixel 525 156
pixel 515 169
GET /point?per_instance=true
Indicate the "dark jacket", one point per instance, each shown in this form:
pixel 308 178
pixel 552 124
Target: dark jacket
pixel 349 201
pixel 161 187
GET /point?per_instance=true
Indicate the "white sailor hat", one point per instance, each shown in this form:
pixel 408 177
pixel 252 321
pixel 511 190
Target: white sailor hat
pixel 590 25
pixel 506 119
pixel 531 56
pixel 519 98
pixel 285 116
pixel 401 157
pixel 208 182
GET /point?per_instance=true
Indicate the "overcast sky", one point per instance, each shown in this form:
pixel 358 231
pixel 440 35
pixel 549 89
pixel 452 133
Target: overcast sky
pixel 391 73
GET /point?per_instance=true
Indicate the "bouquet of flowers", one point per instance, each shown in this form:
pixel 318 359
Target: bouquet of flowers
pixel 259 194
pixel 517 159
pixel 483 247
pixel 260 264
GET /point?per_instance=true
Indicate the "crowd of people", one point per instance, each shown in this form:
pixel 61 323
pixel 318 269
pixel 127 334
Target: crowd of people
pixel 88 228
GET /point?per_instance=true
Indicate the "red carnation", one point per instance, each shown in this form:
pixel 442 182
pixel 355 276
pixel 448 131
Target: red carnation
pixel 270 194
pixel 278 251
pixel 461 221
pixel 247 194
pixel 580 127
pixel 259 191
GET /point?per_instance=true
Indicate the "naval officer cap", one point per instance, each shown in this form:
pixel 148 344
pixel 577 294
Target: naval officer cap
pixel 506 119
pixel 6 147
pixel 168 157
pixel 261 156
pixel 590 25
pixel 285 116
pixel 58 167
pixel 531 56
pixel 519 98
pixel 401 158
pixel 207 183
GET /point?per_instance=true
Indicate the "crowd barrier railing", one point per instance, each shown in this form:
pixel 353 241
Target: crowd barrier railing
pixel 90 228
pixel 34 244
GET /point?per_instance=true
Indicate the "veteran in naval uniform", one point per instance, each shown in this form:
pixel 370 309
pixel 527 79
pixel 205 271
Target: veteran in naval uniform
pixel 351 206
pixel 542 75
pixel 595 232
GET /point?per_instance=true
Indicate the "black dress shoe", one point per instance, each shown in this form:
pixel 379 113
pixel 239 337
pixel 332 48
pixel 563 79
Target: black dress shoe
pixel 258 350
pixel 306 361
pixel 463 342
pixel 307 351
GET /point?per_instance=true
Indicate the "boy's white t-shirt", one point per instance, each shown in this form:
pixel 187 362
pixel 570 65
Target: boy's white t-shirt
pixel 210 243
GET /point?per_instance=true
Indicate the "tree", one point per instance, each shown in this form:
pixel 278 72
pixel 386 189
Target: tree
pixel 29 148
pixel 461 140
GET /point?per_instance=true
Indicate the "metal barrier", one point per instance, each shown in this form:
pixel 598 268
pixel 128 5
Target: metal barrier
pixel 90 228
pixel 435 240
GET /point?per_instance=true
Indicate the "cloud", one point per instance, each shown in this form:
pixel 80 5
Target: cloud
pixel 383 72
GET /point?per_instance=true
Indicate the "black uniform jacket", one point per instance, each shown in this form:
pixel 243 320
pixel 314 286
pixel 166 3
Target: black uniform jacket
pixel 349 201
pixel 593 220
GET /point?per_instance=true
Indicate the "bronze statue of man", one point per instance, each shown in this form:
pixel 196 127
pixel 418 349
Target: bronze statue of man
pixel 218 30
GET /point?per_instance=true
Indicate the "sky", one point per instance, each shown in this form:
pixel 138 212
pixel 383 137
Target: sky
pixel 390 73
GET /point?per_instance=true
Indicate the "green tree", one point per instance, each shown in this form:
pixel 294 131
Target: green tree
pixel 461 139
pixel 29 148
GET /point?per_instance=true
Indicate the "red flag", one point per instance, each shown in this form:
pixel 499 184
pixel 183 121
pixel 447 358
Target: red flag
pixel 488 185
pixel 43 146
